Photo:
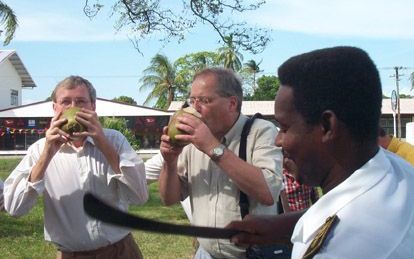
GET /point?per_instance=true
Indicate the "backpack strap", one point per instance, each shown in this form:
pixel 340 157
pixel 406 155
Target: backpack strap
pixel 243 199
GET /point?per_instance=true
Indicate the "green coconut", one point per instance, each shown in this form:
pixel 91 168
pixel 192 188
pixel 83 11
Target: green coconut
pixel 172 125
pixel 71 125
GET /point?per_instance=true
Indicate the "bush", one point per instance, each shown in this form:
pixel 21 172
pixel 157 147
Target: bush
pixel 121 125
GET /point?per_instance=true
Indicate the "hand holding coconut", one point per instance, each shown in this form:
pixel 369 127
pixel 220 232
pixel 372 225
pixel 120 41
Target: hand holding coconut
pixel 171 142
pixel 173 131
pixel 82 123
pixel 71 125
pixel 186 126
pixel 55 136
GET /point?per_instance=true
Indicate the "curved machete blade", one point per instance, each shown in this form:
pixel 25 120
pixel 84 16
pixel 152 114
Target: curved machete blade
pixel 97 209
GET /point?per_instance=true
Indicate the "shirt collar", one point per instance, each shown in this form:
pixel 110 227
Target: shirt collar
pixel 87 140
pixel 235 131
pixel 329 204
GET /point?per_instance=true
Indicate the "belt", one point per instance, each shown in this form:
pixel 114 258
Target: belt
pixel 96 251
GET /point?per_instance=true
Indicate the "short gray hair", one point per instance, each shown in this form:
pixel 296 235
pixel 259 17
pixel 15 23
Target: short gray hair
pixel 228 83
pixel 71 82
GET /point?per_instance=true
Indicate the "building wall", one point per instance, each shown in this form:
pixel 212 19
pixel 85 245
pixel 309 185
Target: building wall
pixel 20 133
pixel 9 80
pixel 387 123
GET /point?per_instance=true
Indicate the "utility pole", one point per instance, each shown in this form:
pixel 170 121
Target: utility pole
pixel 397 79
pixel 397 76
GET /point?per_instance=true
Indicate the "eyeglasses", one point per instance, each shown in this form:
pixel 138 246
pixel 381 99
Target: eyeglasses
pixel 203 100
pixel 78 102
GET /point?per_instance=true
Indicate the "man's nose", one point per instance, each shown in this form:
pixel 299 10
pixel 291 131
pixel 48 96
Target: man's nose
pixel 278 139
pixel 196 105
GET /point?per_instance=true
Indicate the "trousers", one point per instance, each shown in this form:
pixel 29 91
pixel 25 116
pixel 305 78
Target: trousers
pixel 125 248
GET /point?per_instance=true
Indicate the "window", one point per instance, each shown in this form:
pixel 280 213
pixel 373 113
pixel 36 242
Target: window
pixel 14 97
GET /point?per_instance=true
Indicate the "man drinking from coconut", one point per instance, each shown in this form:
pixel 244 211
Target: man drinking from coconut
pixel 66 164
pixel 209 170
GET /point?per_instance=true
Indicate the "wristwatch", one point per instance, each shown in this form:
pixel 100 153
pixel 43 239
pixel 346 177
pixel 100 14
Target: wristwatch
pixel 217 152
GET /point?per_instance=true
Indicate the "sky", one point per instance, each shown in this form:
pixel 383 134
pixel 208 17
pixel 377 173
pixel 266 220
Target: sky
pixel 55 39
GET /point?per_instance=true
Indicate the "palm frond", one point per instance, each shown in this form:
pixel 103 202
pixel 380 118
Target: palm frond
pixel 9 20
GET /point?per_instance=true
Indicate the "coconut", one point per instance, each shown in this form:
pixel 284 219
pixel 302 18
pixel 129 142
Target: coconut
pixel 71 125
pixel 172 125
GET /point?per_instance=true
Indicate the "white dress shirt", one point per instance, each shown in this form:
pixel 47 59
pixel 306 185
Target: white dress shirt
pixel 375 207
pixel 70 174
pixel 153 168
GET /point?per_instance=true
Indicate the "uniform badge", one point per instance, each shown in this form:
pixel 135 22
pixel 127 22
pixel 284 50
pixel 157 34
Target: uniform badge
pixel 320 237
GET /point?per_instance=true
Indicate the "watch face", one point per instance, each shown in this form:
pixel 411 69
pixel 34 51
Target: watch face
pixel 218 151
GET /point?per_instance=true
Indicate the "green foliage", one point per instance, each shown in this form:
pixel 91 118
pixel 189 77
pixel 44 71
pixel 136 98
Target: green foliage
pixel 229 55
pixel 249 73
pixel 187 66
pixel 121 125
pixel 125 99
pixel 405 96
pixel 174 19
pixel 8 19
pixel 23 237
pixel 161 78
pixel 266 89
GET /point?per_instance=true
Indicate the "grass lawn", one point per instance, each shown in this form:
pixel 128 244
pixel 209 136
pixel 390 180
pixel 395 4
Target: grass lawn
pixel 23 237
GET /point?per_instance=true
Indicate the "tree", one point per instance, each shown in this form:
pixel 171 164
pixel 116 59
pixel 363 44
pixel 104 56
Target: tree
pixel 121 125
pixel 9 20
pixel 188 65
pixel 267 86
pixel 252 67
pixel 229 55
pixel 170 20
pixel 160 78
pixel 125 99
pixel 405 96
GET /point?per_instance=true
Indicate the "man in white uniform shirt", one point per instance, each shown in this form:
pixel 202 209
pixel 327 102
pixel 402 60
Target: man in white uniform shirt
pixel 328 108
pixel 63 167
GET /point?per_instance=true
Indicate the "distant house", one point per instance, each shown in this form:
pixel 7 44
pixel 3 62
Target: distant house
pixel 13 78
pixel 23 125
pixel 266 108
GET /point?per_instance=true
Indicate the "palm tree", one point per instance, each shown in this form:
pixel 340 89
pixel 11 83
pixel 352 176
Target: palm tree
pixel 9 20
pixel 229 55
pixel 160 77
pixel 252 67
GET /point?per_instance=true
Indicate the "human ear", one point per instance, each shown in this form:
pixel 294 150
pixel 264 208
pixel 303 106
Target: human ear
pixel 233 102
pixel 329 125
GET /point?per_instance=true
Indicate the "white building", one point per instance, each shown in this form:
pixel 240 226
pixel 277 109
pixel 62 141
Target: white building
pixel 21 126
pixel 13 78
pixel 266 108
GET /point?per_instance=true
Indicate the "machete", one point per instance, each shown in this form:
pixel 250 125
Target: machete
pixel 98 209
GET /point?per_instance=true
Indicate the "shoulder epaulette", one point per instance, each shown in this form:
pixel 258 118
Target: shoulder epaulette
pixel 320 237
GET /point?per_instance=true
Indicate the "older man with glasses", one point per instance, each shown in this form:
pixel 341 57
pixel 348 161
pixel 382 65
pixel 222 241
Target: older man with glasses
pixel 62 167
pixel 209 169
